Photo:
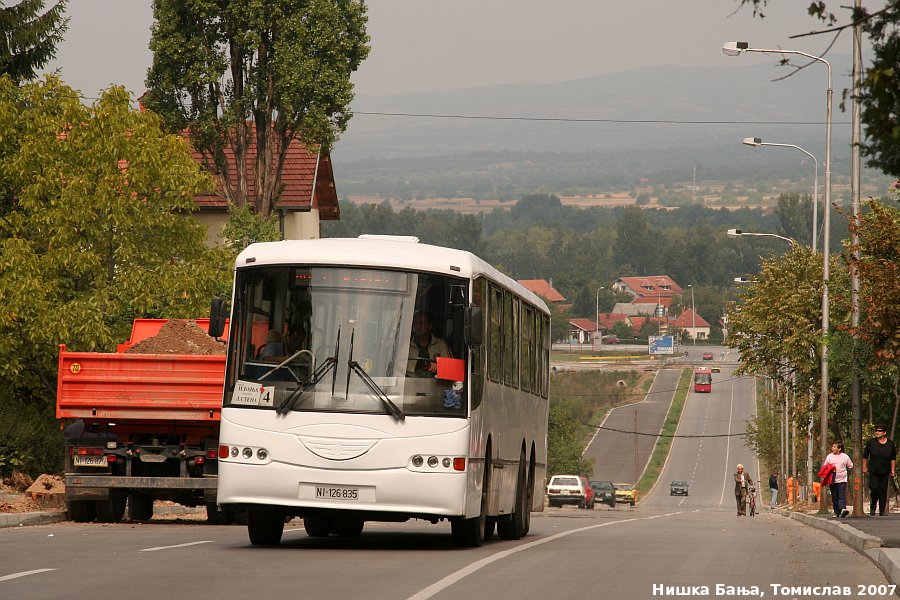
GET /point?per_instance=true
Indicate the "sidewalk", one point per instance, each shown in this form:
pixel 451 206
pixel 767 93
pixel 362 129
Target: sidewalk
pixel 876 537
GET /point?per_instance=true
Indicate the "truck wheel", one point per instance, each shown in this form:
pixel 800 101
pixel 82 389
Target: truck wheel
pixel 214 515
pixel 112 509
pixel 81 511
pixel 265 525
pixel 140 507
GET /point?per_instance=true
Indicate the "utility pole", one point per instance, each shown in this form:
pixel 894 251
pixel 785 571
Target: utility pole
pixel 855 386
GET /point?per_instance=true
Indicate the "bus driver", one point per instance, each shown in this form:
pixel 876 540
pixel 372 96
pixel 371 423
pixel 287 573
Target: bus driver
pixel 425 347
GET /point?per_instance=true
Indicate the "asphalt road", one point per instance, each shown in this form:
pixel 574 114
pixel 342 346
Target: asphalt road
pixel 693 547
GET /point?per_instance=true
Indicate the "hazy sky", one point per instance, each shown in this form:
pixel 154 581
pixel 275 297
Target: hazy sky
pixel 432 45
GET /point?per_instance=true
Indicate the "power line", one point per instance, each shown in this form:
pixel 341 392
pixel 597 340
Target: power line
pixel 586 120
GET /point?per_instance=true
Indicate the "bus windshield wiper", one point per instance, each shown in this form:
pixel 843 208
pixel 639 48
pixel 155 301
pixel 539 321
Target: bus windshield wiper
pixel 374 388
pixel 391 408
pixel 288 403
pixel 327 365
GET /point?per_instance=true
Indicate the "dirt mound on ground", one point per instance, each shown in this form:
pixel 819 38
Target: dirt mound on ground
pixel 179 336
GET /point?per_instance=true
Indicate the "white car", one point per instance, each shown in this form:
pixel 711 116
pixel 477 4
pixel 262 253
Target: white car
pixel 566 489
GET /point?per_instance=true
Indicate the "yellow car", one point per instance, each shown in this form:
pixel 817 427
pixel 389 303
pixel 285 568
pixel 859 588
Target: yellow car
pixel 626 493
pixel 716 370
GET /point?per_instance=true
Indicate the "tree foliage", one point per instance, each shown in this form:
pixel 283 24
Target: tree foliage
pixel 95 232
pixel 250 76
pixel 29 37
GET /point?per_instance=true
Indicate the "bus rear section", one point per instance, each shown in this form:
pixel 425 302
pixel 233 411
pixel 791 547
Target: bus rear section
pixel 703 380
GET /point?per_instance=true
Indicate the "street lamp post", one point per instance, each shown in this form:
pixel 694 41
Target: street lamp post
pixel 693 317
pixel 598 335
pixel 735 49
pixel 733 233
pixel 755 141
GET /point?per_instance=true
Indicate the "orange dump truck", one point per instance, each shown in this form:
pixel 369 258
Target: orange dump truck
pixel 140 427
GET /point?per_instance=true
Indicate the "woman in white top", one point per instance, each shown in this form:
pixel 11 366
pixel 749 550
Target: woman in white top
pixel 838 485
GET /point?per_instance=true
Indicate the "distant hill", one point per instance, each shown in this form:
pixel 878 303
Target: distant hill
pixel 594 133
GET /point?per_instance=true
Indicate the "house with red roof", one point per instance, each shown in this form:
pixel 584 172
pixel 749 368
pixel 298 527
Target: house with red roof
pixel 654 286
pixel 692 325
pixel 582 330
pixel 308 193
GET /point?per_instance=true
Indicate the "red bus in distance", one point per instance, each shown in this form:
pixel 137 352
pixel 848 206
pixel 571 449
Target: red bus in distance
pixel 703 380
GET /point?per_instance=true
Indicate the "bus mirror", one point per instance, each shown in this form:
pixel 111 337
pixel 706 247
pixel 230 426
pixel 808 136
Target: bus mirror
pixel 473 326
pixel 218 312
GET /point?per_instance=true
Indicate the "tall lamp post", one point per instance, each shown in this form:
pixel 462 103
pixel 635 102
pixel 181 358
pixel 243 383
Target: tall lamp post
pixel 755 141
pixel 735 49
pixel 598 335
pixel 693 317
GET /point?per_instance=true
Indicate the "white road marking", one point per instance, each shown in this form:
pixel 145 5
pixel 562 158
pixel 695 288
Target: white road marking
pixel 24 574
pixel 452 578
pixel 175 546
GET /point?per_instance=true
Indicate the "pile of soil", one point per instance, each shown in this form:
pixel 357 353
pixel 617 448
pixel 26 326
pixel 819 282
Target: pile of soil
pixel 179 336
pixel 19 493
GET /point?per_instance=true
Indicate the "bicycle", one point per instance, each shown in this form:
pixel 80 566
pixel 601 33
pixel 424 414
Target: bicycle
pixel 751 499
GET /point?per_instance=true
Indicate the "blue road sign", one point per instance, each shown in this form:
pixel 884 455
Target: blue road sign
pixel 662 344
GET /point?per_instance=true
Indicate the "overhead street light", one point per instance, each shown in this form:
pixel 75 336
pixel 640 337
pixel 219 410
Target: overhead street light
pixel 755 141
pixel 735 233
pixel 735 49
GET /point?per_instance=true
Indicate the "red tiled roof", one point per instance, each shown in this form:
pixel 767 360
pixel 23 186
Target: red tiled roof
pixel 656 282
pixel 542 288
pixel 689 319
pixel 298 177
pixel 663 300
pixel 583 324
pixel 608 320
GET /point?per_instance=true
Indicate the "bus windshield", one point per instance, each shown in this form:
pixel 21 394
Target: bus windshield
pixel 341 339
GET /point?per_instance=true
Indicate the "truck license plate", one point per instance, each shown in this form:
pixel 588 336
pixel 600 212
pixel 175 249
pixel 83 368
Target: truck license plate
pixel 89 461
pixel 337 492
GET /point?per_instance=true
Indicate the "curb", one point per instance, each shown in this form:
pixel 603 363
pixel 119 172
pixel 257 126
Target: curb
pixel 31 518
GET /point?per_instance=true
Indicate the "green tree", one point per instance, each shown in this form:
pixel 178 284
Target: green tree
pixel 29 37
pixel 250 77
pixel 794 210
pixel 96 234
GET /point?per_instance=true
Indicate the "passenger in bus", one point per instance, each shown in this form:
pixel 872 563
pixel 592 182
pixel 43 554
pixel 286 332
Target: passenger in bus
pixel 273 346
pixel 425 347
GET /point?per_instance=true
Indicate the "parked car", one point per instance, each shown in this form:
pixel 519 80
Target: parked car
pixel 626 493
pixel 604 492
pixel 566 489
pixel 588 494
pixel 610 339
pixel 678 488
pixel 716 370
pixel 707 356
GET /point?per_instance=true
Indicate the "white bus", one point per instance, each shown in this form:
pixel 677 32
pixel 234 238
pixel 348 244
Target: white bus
pixel 331 414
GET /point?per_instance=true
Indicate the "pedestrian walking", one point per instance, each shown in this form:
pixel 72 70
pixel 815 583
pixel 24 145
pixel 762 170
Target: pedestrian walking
pixel 838 481
pixel 879 460
pixel 742 485
pixel 773 487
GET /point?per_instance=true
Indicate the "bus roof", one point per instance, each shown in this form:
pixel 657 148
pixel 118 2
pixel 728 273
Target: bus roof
pixel 703 370
pixel 388 252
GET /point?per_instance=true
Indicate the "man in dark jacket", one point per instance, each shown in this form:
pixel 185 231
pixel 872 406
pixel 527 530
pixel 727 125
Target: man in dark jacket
pixel 879 460
pixel 773 487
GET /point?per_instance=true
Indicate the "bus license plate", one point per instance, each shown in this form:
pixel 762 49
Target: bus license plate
pixel 335 492
pixel 89 461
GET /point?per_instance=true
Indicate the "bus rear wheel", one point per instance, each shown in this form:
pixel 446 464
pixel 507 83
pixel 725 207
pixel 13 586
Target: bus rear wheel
pixel 317 525
pixel 265 525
